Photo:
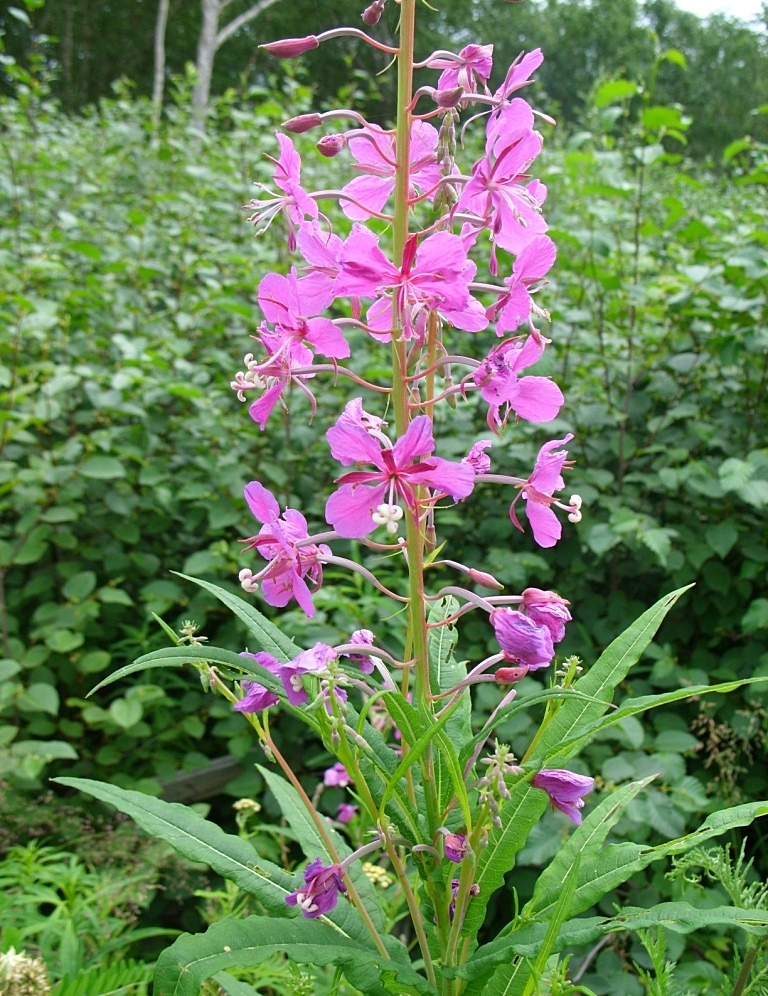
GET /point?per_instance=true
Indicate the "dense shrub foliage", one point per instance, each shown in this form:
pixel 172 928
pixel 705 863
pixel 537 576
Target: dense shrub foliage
pixel 127 296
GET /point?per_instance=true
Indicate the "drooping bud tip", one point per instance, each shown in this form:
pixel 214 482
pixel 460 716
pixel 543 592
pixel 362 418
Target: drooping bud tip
pixel 331 145
pixel 372 15
pixel 302 123
pixel 289 48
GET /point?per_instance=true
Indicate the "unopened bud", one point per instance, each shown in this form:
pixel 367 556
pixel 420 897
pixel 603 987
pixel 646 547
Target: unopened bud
pixel 331 145
pixel 302 123
pixel 509 675
pixel 448 98
pixel 486 580
pixel 289 48
pixel 372 15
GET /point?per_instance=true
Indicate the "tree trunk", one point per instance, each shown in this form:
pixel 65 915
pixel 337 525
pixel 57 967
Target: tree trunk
pixel 210 40
pixel 159 76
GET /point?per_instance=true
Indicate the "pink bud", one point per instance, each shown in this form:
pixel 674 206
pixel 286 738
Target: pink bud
pixel 289 48
pixel 302 123
pixel 486 580
pixel 331 145
pixel 448 98
pixel 372 15
pixel 509 675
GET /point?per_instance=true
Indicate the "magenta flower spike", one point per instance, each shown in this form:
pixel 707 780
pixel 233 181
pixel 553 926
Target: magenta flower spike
pixel 321 889
pixel 565 789
pixel 538 493
pixel 522 640
pixel 367 499
pixel 290 559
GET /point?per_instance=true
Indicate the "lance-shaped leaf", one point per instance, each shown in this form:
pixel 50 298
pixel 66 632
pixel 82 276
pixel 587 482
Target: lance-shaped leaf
pixel 183 967
pixel 197 839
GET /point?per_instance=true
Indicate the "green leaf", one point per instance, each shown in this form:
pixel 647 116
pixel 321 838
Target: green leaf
pixel 79 586
pixel 47 750
pixel 756 616
pixel 126 713
pixel 684 918
pixel 102 468
pixel 722 538
pixel 64 641
pixel 182 968
pixel 267 635
pixel 614 91
pixel 197 839
pixel 40 697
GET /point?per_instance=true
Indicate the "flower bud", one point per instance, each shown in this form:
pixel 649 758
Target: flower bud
pixel 302 123
pixel 372 15
pixel 509 675
pixel 331 145
pixel 289 48
pixel 448 98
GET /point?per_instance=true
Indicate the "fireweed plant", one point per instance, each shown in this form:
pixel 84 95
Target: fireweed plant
pixel 438 806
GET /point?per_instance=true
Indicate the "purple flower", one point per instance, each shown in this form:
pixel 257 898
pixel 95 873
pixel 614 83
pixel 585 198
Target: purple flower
pixel 374 152
pixel 546 608
pixel 362 638
pixel 286 301
pixel 257 697
pixel 455 846
pixel 474 890
pixel 308 662
pixel 521 639
pixel 321 889
pixel 513 308
pixel 367 499
pixel 536 399
pixel 538 492
pixel 281 541
pixel 346 812
pixel 565 790
pixel 477 458
pixel 336 776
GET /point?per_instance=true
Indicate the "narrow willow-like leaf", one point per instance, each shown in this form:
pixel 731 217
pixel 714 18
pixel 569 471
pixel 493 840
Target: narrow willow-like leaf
pixel 640 704
pixel 182 968
pixel 613 864
pixel 267 635
pixel 178 656
pixel 197 839
pixel 526 942
pixel 586 845
pixel 684 918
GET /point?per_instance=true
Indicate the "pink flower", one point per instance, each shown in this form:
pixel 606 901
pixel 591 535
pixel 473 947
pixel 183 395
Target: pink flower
pixel 287 300
pixel 374 152
pixel 296 204
pixel 518 74
pixel 362 638
pixel 497 193
pixel 434 276
pixel 513 308
pixel 546 608
pixel 367 499
pixel 455 846
pixel 471 66
pixel 257 697
pixel 336 776
pixel 538 493
pixel 477 458
pixel 321 889
pixel 536 399
pixel 308 662
pixel 522 640
pixel 281 541
pixel 565 790
pixel 346 812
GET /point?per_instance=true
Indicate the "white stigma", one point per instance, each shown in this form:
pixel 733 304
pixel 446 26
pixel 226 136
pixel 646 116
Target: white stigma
pixel 388 515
